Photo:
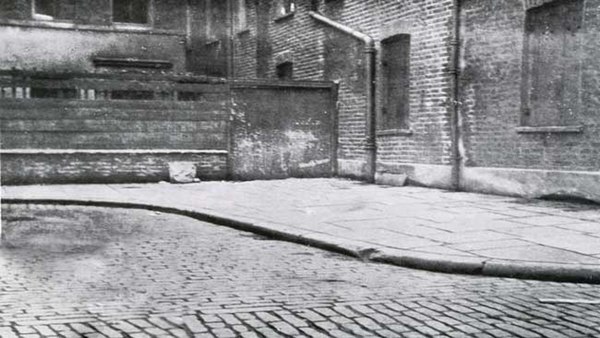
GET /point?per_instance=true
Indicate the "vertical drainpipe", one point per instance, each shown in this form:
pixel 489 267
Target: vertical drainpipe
pixel 230 100
pixel 371 123
pixel 455 118
pixel 230 40
pixel 370 116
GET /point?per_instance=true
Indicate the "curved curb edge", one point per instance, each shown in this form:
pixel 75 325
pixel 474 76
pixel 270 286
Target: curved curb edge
pixel 470 266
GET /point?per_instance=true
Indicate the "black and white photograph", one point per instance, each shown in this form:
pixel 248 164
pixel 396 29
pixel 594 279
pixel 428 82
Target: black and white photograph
pixel 300 168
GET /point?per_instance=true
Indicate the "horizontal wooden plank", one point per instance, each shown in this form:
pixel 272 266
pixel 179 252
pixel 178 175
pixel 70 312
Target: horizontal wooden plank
pixel 132 76
pixel 110 114
pixel 107 84
pixel 218 104
pixel 111 125
pixel 6 152
pixel 270 84
pixel 117 140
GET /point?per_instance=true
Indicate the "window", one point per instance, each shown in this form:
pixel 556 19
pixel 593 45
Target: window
pixel 54 9
pixel 551 80
pixel 241 21
pixel 285 7
pixel 285 71
pixel 396 82
pixel 131 11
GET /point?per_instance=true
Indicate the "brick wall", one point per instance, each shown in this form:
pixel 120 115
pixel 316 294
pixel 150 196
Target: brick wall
pixel 320 52
pixel 242 129
pixel 45 167
pixel 282 130
pixel 245 49
pixel 82 140
pixel 28 44
pixel 492 94
pixel 82 124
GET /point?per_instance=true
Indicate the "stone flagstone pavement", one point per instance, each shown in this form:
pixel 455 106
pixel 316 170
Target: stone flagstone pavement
pixel 410 226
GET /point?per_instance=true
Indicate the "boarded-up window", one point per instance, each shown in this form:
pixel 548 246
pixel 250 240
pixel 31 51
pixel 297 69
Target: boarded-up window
pixel 131 11
pixel 551 79
pixel 396 81
pixel 54 9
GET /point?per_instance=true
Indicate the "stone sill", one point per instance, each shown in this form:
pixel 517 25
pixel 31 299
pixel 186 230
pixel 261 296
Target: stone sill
pixel 395 132
pixel 550 129
pixel 284 16
pixel 110 151
pixel 115 28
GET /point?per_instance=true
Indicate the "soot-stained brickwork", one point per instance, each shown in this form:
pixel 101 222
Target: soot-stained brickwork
pixel 321 52
pixel 493 49
pixel 510 140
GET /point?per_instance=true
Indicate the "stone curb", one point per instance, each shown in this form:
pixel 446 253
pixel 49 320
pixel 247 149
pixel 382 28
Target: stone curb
pixel 574 273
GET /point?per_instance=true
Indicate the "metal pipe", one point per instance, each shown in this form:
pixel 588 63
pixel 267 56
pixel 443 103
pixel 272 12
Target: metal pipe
pixel 231 41
pixel 455 118
pixel 370 59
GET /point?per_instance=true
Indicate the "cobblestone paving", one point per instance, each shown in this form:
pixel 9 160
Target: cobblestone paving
pixel 96 272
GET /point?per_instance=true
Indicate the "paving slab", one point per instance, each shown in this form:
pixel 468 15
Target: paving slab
pixel 411 226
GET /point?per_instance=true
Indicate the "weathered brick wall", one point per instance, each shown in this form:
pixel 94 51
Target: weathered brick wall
pixel 29 48
pixel 264 130
pixel 492 57
pixel 208 50
pixel 27 44
pixel 299 35
pixel 245 45
pixel 104 167
pixel 60 141
pixel 282 130
pixel 320 52
pixel 82 124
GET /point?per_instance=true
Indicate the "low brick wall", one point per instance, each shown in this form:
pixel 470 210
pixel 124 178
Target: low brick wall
pixel 98 166
pixel 130 129
pixel 84 128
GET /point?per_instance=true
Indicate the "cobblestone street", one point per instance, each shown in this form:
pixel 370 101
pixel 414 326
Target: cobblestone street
pixel 69 271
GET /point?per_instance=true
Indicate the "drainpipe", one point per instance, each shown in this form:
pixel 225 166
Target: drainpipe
pixel 370 140
pixel 455 118
pixel 230 41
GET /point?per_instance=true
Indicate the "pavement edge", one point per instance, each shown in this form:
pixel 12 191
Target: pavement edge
pixel 435 263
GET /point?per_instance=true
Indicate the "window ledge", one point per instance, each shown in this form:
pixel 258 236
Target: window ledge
pixel 395 132
pixel 132 26
pixel 284 16
pixel 550 129
pixel 110 151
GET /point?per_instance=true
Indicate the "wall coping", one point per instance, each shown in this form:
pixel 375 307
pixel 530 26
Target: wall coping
pixel 111 151
pixel 551 129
